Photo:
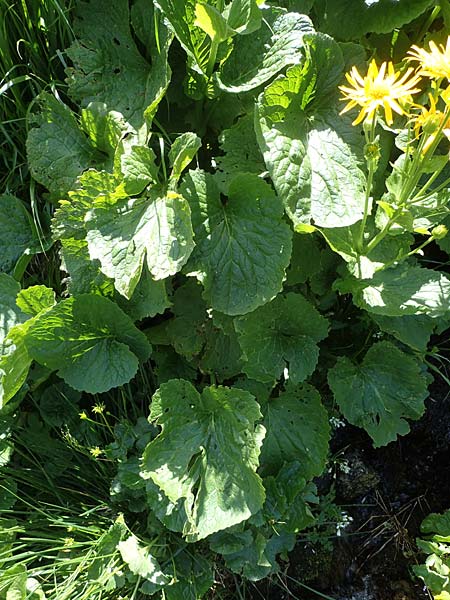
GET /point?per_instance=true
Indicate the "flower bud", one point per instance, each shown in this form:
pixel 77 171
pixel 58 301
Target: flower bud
pixel 439 232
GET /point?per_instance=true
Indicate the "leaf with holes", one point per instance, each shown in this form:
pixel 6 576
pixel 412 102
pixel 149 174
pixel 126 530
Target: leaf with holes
pixel 299 414
pixel 107 65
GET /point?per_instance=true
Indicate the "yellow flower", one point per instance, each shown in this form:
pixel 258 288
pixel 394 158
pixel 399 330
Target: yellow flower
pixel 96 452
pixel 435 62
pixel 378 89
pixel 429 120
pixel 99 408
pixel 445 95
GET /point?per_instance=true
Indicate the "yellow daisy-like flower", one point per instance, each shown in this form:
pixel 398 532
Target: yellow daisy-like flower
pixel 435 62
pixel 383 88
pixel 429 120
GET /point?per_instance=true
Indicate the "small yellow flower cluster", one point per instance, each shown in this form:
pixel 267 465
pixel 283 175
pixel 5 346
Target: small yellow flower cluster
pixel 387 89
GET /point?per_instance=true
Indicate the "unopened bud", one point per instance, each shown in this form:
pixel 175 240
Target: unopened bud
pixel 439 232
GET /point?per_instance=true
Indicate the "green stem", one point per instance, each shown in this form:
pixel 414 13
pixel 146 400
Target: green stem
pixel 160 126
pixel 367 204
pixel 421 247
pixel 212 57
pixel 366 208
pixel 413 174
pixel 424 188
pixel 436 190
pixel 380 235
pixel 426 26
pixel 436 370
pixel 415 251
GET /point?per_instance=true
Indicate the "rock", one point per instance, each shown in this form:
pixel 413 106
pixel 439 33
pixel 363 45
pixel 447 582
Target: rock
pixel 355 478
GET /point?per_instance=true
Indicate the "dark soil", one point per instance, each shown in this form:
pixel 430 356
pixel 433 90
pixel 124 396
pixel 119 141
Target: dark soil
pixel 386 493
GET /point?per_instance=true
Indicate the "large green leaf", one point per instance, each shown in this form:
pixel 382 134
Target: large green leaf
pixel 305 260
pixel 244 16
pixel 413 330
pixel 311 153
pixel 221 355
pixel 193 576
pixel 92 344
pixel 207 454
pixel 185 332
pixel 108 67
pixel 251 548
pixel 122 233
pixel 352 19
pixel 14 363
pixel 252 552
pixel 138 168
pixel 13 581
pixel 241 152
pixel 401 290
pixel 16 231
pixel 344 241
pixel 150 27
pixel 10 313
pixel 212 22
pixel 287 497
pixel 84 275
pixel 242 244
pixel 15 307
pixel 105 128
pixel 182 151
pixel 297 430
pixel 68 226
pixel 170 365
pixel 181 16
pixel 206 340
pixel 381 393
pixel 68 220
pixel 437 524
pixel 58 151
pixel 256 58
pixel 281 336
pixel 141 562
pixel 149 298
pixel 35 298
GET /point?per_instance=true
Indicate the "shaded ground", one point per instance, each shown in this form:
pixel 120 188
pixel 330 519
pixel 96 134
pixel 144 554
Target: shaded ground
pixel 386 494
